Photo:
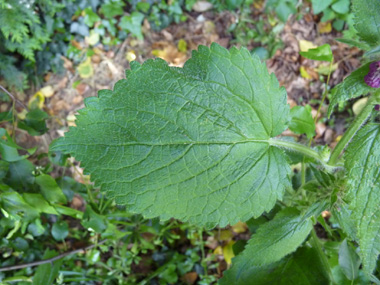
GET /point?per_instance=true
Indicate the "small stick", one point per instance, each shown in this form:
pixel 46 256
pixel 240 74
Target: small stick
pixel 13 97
pixel 50 260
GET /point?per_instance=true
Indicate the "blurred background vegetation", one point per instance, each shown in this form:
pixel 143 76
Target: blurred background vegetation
pixel 53 54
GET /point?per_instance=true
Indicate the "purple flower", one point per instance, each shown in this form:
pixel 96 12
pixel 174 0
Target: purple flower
pixel 373 77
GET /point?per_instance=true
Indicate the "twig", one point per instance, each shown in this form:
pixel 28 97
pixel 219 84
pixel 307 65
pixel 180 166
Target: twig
pixel 13 97
pixel 50 260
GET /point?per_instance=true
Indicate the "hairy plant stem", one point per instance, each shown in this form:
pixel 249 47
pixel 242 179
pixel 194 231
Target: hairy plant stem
pixel 316 244
pixel 360 119
pixel 296 147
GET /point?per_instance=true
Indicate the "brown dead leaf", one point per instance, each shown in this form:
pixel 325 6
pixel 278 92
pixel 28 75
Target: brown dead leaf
pixel 96 58
pixel 168 36
pixel 77 100
pixel 61 105
pixel 47 76
pixel 320 129
pixel 76 44
pixel 110 54
pixel 211 242
pixel 171 54
pixel 62 83
pixel 67 64
pixel 82 88
pixel 77 202
pixel 329 136
pixel 190 278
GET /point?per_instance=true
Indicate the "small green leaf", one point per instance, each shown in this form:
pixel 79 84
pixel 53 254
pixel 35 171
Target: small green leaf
pixel 36 228
pixel 302 267
pixel 8 148
pixel 132 24
pixel 320 5
pixel 373 53
pixel 321 53
pixel 349 261
pixel 35 122
pixel 70 186
pixel 341 7
pixel 302 121
pixel 367 21
pixel 50 190
pixel 190 143
pixel 362 164
pixel 20 244
pixel 353 86
pixel 69 211
pixel 112 9
pixel 85 69
pixel 39 202
pixel 60 230
pixel 273 241
pixel 14 204
pixel 47 273
pixel 90 17
pixel 354 43
pixel 285 8
pixel 94 221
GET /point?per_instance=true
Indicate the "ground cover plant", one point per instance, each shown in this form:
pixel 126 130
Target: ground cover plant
pixel 200 144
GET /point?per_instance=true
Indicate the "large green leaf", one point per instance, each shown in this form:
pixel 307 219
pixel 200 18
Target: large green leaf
pixel 367 20
pixel 353 86
pixel 188 143
pixel 273 241
pixel 362 163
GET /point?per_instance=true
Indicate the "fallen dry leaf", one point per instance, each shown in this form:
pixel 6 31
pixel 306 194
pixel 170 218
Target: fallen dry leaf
pixel 190 278
pixel 47 91
pixel 202 6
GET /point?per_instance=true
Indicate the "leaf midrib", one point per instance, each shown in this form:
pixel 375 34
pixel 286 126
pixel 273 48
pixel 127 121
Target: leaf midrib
pixel 175 143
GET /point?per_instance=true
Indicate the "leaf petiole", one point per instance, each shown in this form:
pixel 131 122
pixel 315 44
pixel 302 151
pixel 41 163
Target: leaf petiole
pixel 302 149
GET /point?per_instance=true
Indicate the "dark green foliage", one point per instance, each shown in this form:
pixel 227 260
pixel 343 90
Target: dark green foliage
pixel 35 34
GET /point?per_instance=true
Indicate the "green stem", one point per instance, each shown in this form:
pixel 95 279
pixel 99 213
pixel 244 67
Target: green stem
pixel 360 119
pixel 324 94
pixel 292 146
pixel 303 169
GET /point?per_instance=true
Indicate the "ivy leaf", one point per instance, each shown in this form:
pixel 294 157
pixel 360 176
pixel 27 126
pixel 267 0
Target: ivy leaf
pixel 272 242
pixel 132 24
pixel 302 121
pixel 362 164
pixel 353 86
pixel 188 143
pixel 367 21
